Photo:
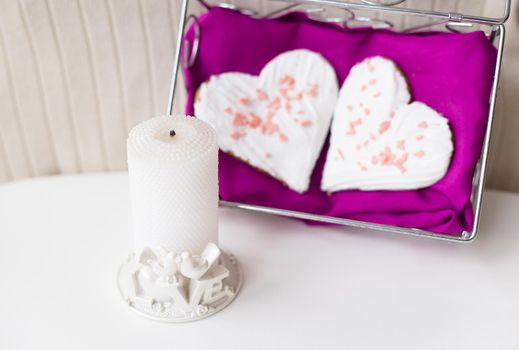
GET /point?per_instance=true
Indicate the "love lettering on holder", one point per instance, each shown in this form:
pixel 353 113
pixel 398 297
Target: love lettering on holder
pixel 179 287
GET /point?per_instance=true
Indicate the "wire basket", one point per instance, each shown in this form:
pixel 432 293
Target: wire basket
pixel 400 15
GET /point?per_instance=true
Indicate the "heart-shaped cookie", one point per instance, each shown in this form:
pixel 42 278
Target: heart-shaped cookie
pixel 276 121
pixel 380 141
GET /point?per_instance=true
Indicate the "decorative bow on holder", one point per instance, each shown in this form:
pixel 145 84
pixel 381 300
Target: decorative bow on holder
pixel 179 287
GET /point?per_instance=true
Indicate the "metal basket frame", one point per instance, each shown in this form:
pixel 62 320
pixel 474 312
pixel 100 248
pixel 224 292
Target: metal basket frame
pixel 448 18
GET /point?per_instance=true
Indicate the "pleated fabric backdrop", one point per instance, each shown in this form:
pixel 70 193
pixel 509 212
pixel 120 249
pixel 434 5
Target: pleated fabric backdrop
pixel 75 75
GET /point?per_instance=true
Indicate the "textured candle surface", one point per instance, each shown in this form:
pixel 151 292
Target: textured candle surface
pixel 174 184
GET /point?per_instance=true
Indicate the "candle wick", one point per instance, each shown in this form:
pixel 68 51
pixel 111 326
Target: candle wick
pixel 172 133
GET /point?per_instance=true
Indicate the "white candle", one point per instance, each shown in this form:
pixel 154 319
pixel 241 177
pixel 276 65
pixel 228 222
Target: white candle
pixel 174 184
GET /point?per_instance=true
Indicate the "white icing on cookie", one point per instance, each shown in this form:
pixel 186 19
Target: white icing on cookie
pixel 378 140
pixel 277 121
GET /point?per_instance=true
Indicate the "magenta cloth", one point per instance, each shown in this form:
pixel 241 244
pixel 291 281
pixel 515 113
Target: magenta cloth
pixel 452 73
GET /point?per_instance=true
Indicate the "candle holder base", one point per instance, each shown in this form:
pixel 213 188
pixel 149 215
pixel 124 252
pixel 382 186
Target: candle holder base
pixel 164 286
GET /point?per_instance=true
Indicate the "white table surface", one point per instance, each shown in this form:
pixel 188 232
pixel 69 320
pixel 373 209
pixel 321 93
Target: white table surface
pixel 62 239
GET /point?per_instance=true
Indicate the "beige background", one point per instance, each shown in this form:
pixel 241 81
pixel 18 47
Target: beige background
pixel 75 75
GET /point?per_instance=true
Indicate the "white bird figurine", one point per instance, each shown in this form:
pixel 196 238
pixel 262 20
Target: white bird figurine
pixel 195 266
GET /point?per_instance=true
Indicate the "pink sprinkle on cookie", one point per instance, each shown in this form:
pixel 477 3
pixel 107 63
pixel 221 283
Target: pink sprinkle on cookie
pixel 392 114
pixel 306 123
pixel 419 154
pixel 235 135
pixel 353 125
pixel 377 95
pixel 386 157
pixel 400 144
pixel 244 101
pixel 358 147
pixel 367 111
pixel 228 110
pixel 423 125
pixel 254 120
pixel 349 108
pixel 261 95
pixel 362 166
pixel 363 88
pixel 287 80
pixel 312 91
pixel 300 112
pixel 373 81
pixel 288 107
pixel 239 119
pixel 384 126
pixel 268 155
pixel 399 163
pixel 419 137
pixel 275 103
pixel 283 137
pixel 268 128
